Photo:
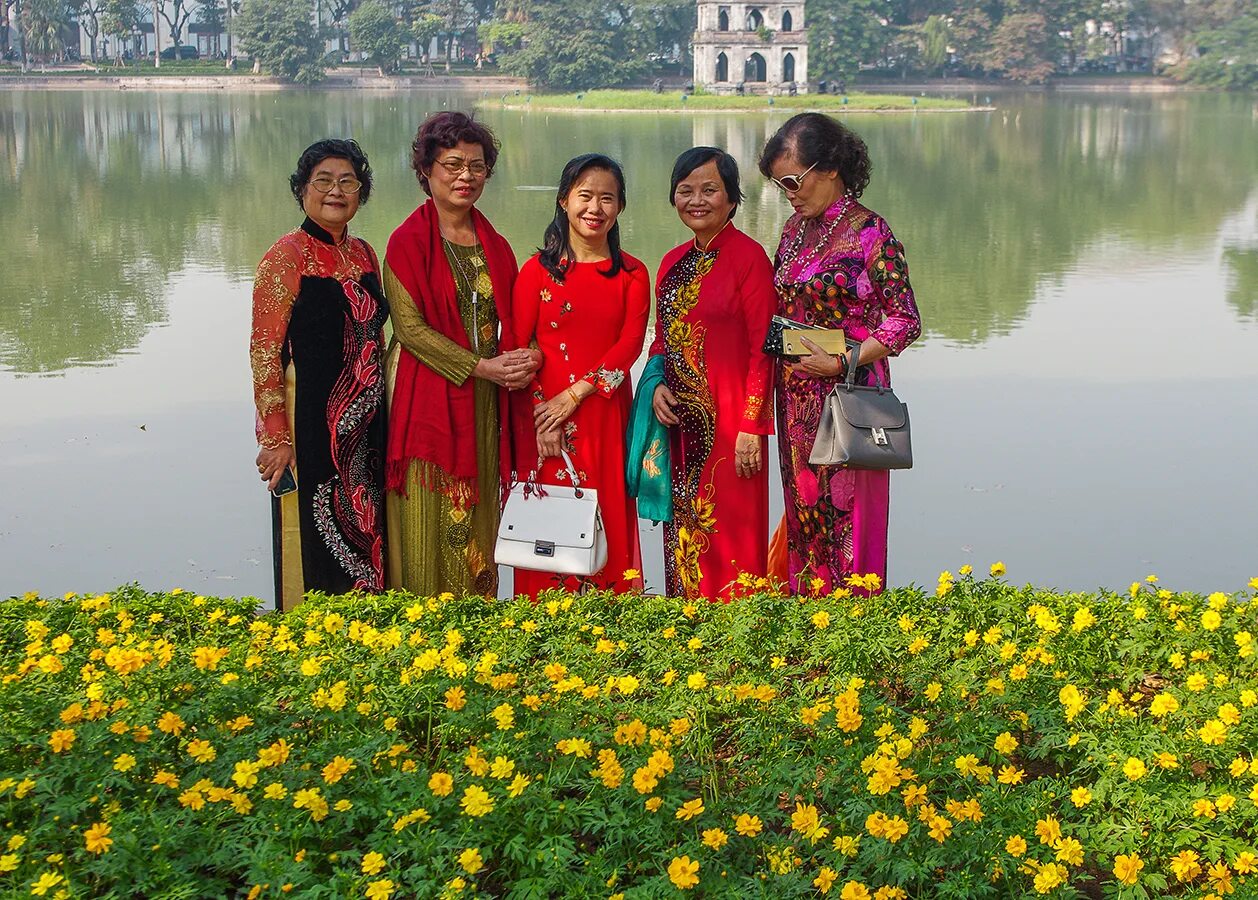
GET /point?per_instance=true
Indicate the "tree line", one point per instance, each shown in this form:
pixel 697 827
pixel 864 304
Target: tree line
pixel 577 45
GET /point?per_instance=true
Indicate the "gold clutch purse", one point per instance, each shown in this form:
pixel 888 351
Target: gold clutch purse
pixel 830 340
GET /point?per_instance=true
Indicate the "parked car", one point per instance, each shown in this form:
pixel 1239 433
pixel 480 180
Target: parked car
pixel 183 51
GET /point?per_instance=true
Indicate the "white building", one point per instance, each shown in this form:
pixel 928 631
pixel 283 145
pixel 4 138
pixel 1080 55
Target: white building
pixel 761 46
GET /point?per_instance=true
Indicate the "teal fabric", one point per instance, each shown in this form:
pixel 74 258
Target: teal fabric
pixel 654 492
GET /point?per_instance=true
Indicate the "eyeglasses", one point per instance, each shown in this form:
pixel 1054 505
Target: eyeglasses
pixel 792 183
pixel 347 183
pixel 457 167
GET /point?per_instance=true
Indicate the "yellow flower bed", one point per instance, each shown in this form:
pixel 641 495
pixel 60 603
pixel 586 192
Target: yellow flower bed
pixel 977 740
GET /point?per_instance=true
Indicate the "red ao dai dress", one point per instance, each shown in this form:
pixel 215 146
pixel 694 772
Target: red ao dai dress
pixel 589 327
pixel 713 313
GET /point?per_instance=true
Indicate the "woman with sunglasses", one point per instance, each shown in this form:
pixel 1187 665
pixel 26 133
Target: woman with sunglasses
pixel 715 299
pixel 317 352
pixel 584 302
pixel 837 266
pixel 460 425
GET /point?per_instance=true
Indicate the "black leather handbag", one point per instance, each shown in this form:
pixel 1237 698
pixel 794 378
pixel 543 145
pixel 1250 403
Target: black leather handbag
pixel 862 427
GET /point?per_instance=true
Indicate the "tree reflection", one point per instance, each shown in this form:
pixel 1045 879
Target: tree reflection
pixel 108 196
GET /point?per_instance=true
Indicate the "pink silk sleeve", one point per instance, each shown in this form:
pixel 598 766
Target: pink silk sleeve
pixel 889 275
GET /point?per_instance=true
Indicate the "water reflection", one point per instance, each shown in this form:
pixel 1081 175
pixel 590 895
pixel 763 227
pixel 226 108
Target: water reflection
pixel 110 195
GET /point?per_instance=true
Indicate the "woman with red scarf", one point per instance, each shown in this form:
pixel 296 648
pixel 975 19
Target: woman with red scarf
pixel 460 427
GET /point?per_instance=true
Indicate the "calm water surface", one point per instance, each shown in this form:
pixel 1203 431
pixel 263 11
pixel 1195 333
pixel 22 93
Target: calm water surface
pixel 1084 396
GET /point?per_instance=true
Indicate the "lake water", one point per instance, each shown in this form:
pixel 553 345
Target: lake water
pixel 1084 395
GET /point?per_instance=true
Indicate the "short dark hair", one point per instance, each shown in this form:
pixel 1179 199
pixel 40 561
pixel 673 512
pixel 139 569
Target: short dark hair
pixel 442 131
pixel 555 253
pixel 726 167
pixel 331 148
pixel 825 142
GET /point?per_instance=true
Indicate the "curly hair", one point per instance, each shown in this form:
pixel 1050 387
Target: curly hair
pixel 442 131
pixel 822 141
pixel 331 148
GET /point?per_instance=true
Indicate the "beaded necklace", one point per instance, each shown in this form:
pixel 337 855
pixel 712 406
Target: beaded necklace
pixel 791 258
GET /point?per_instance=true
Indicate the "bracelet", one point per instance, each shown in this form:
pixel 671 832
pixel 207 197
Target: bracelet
pixel 842 360
pixel 573 395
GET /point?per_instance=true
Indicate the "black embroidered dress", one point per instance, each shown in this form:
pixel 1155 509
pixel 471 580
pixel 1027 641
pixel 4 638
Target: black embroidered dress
pixel 317 350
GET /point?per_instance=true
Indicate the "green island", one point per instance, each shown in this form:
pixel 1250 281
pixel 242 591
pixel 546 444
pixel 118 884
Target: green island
pixel 976 739
pixel 676 101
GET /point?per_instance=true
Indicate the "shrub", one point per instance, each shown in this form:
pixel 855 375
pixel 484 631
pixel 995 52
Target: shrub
pixel 981 740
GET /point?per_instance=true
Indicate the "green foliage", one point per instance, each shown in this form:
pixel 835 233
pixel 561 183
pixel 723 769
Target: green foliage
pixel 1023 48
pixel 119 17
pixel 568 46
pixel 374 30
pixel 935 35
pixel 977 741
pixel 842 34
pixel 1228 54
pixel 42 23
pixel 280 36
pixel 649 100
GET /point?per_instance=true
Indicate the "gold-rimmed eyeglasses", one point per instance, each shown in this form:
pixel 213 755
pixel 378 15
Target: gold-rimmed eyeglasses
pixel 792 183
pixel 347 183
pixel 456 167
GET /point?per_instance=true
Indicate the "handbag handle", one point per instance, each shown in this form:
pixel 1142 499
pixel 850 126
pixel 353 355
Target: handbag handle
pixel 850 381
pixel 572 471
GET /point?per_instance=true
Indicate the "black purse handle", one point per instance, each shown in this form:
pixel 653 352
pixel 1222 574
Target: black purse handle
pixel 849 383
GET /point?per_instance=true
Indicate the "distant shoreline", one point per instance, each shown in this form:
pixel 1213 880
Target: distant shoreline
pixel 248 83
pixel 673 101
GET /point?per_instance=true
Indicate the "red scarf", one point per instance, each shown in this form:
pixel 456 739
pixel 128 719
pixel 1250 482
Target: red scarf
pixel 432 421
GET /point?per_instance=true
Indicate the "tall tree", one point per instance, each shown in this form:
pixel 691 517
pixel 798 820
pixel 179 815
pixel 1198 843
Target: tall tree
pixel 177 13
pixel 213 21
pixel 89 13
pixel 44 23
pixel 568 46
pixel 844 33
pixel 282 38
pixel 375 30
pixel 1022 47
pixel 120 18
pixel 1228 54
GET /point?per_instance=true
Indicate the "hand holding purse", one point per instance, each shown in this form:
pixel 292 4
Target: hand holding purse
pixel 552 528
pixel 862 427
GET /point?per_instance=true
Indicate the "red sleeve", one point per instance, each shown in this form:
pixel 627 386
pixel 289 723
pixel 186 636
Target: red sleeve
pixel 525 309
pixel 620 357
pixel 758 299
pixel 274 292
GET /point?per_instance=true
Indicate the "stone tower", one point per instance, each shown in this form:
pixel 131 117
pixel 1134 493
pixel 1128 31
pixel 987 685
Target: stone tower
pixel 762 46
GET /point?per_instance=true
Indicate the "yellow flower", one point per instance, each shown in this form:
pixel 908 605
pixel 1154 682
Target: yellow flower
pixel 821 620
pixel 1186 865
pixel 1225 802
pixel 1246 862
pixel 1010 775
pixel 825 879
pixel 1006 743
pixel 1162 704
pixel 61 740
pixel 690 809
pixel 748 825
pixel 441 784
pixel 1070 851
pixel 1203 809
pixel 337 769
pixel 47 881
pixel 1134 769
pixel 373 862
pixel 854 890
pixel 202 751
pixel 715 838
pixel 1016 845
pixel 997 569
pixel 697 681
pixel 471 860
pixel 1050 877
pixel 476 801
pixel 653 804
pixel 933 690
pixel 1213 732
pixel 1211 620
pixel 379 890
pixel 97 838
pixel 456 699
pixel 1127 868
pixel 9 862
pixel 125 762
pixel 518 784
pixel 1080 797
pixel 683 872
pixel 917 646
pixel 1048 830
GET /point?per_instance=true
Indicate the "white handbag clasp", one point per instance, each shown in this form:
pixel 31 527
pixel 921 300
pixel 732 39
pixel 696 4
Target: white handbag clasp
pixel 880 436
pixel 543 548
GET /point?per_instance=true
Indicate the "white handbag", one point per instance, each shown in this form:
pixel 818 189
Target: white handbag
pixel 552 528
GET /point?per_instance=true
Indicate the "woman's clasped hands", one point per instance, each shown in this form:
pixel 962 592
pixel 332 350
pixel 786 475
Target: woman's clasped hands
pixel 512 370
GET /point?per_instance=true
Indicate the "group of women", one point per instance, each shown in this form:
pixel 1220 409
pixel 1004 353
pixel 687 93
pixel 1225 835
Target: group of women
pixel 403 454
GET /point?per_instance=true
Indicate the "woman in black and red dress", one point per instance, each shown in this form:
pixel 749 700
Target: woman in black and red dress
pixel 318 382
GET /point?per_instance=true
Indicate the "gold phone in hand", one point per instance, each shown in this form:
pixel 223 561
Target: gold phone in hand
pixel 830 340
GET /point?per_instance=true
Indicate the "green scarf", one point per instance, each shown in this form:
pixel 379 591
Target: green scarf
pixel 647 470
